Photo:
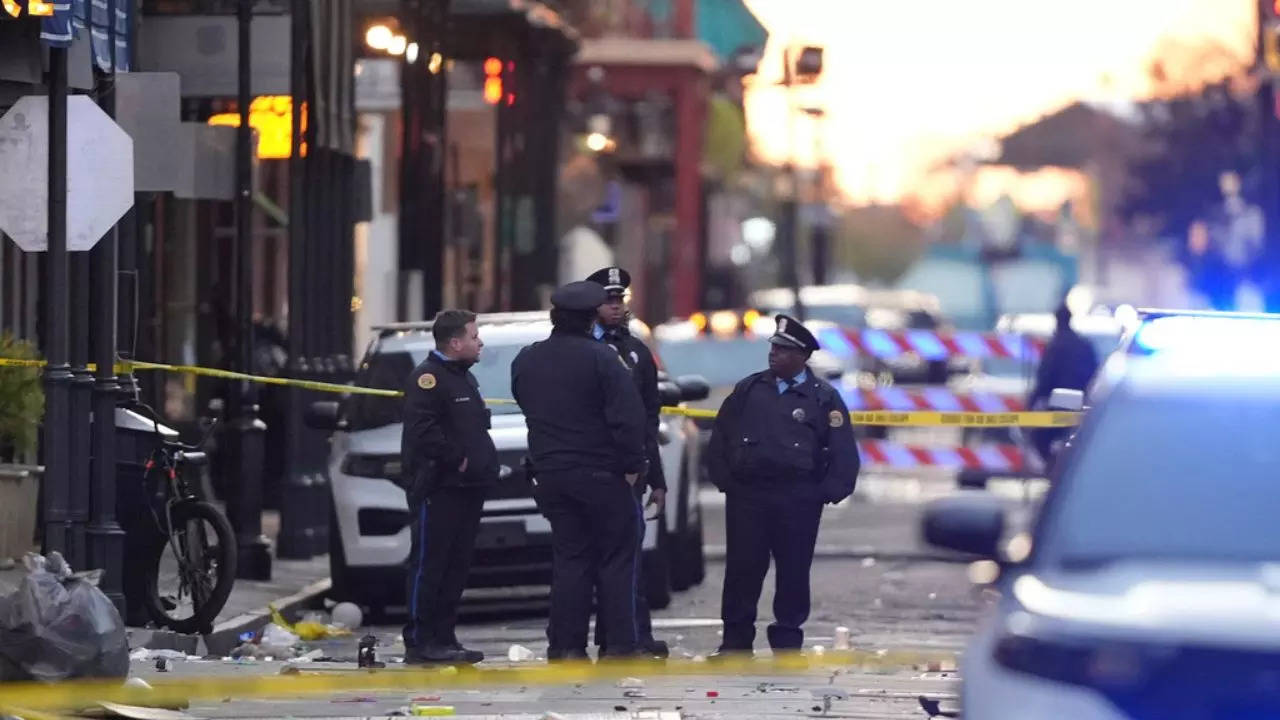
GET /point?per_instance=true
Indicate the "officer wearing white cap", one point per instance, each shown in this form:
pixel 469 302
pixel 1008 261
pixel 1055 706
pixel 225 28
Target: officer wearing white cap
pixel 587 445
pixel 611 328
pixel 780 448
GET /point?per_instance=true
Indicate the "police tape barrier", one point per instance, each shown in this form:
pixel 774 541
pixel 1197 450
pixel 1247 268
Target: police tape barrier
pixel 910 418
pixel 28 699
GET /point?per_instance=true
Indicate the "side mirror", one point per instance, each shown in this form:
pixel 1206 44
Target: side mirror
pixel 669 394
pixel 1066 400
pixel 969 523
pixel 323 415
pixel 693 387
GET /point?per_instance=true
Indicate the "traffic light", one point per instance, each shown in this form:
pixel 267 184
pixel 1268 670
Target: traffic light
pixel 493 81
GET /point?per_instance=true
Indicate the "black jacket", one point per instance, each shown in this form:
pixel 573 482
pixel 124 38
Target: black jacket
pixel 445 422
pixel 644 371
pixel 580 404
pixel 1069 362
pixel 800 440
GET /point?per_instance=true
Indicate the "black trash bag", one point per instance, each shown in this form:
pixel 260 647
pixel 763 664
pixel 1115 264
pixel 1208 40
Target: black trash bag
pixel 59 625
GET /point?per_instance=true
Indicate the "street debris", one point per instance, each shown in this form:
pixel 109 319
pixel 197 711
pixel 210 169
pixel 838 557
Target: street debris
pixel 274 634
pixel 934 708
pixel 520 653
pixel 431 710
pixel 868 562
pixel 162 665
pixel 307 629
pixel 829 695
pixel 348 615
pixel 59 625
pixel 110 709
pixel 630 682
pixel 367 654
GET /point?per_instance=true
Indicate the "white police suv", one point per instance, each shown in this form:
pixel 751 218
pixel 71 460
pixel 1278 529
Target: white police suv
pixel 1148 584
pixel 369 536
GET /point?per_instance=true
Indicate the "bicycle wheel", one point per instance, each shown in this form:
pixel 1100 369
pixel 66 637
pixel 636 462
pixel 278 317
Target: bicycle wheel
pixel 189 578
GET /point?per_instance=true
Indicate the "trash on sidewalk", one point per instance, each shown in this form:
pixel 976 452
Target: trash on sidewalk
pixel 144 654
pixel 519 653
pixel 307 630
pixel 59 625
pixel 348 615
pixel 276 635
pixel 110 709
pixel 842 638
pixel 630 682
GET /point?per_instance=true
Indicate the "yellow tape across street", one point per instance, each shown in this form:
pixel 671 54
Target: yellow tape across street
pixel 912 418
pixel 306 680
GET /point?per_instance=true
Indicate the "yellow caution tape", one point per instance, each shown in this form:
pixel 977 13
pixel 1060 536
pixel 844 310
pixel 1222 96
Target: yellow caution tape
pixel 932 418
pixel 303 681
pixel 912 418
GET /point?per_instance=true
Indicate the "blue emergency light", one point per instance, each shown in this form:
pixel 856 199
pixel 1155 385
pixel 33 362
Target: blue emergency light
pixel 1220 333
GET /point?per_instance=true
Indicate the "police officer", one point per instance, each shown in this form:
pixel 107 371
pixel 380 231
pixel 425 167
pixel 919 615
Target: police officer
pixel 449 461
pixel 780 448
pixel 611 328
pixel 586 441
pixel 1068 362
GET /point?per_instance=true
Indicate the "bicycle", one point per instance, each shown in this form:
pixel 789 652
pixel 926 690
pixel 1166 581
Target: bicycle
pixel 196 547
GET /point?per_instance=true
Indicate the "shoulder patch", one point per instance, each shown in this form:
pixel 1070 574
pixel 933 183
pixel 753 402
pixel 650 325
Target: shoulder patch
pixel 836 418
pixel 426 381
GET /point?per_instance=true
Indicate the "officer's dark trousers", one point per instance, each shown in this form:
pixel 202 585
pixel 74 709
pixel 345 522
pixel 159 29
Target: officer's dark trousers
pixel 593 519
pixel 763 522
pixel 644 623
pixel 443 535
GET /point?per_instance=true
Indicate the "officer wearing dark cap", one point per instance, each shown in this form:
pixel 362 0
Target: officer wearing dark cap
pixel 611 328
pixel 781 448
pixel 587 446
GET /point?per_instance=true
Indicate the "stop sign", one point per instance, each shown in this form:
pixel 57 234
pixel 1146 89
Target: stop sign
pixel 99 173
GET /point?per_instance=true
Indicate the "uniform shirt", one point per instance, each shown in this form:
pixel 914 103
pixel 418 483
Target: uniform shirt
pixel 580 404
pixel 445 422
pixel 644 372
pixel 798 440
pixel 783 384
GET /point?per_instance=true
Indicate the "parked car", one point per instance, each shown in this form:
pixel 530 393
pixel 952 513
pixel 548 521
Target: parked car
pixel 369 540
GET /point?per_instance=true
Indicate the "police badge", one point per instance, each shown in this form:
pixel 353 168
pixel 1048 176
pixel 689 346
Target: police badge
pixel 798 414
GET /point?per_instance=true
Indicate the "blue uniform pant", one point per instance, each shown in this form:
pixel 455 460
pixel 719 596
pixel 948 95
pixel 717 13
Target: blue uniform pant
pixel 763 522
pixel 594 529
pixel 443 538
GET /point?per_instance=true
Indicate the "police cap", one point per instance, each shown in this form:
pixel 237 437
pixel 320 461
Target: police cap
pixel 790 333
pixel 580 295
pixel 614 279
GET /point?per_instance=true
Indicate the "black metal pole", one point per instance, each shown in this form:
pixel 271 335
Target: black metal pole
pixel 292 541
pixel 80 405
pixel 57 376
pixel 105 537
pixel 247 431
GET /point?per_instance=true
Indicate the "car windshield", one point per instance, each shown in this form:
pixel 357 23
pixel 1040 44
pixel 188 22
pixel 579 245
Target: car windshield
pixel 721 361
pixel 391 370
pixel 1181 478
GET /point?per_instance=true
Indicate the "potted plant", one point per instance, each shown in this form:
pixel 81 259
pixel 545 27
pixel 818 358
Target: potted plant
pixel 21 410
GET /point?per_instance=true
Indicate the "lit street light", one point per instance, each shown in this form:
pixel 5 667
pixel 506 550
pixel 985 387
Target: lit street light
pixel 378 37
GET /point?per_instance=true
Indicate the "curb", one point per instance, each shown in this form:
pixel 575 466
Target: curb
pixel 226 635
pixel 717 552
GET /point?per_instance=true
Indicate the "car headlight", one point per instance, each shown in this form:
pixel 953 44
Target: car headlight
pixel 1083 661
pixel 386 467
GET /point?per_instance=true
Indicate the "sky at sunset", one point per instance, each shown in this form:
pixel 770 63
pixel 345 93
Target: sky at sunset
pixel 911 82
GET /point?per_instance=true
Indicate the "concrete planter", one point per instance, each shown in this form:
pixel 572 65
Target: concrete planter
pixel 19 493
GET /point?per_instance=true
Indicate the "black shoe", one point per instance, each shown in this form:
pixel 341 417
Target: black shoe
pixel 442 655
pixel 723 654
pixel 556 656
pixel 656 648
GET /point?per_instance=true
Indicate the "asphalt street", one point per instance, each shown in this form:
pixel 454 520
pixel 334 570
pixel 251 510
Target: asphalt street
pixel 872 576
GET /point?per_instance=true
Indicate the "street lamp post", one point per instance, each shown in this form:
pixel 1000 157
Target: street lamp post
pixel 247 431
pixel 57 375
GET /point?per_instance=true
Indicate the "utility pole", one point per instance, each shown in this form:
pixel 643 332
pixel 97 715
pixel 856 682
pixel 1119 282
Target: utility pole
pixel 803 68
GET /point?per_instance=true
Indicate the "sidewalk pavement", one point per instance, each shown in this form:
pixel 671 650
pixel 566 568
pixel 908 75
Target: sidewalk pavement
pixel 294 585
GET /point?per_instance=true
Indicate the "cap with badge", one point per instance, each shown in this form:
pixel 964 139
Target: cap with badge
pixel 581 295
pixel 615 280
pixel 790 333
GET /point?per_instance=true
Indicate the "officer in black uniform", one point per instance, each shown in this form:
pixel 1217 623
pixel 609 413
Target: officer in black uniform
pixel 586 441
pixel 781 447
pixel 449 462
pixel 611 328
